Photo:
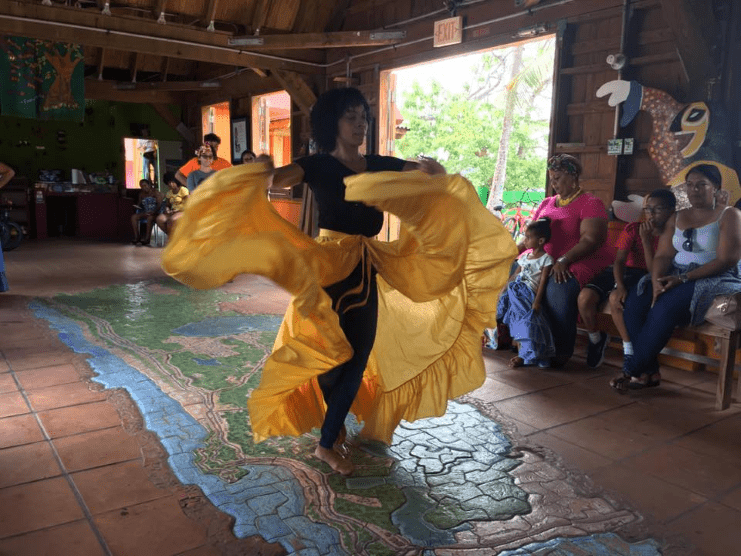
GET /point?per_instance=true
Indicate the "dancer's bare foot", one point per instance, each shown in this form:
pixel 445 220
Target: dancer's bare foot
pixel 516 362
pixel 340 446
pixel 342 465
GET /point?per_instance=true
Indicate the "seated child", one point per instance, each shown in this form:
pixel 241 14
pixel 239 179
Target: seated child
pixel 175 198
pixel 635 250
pixel 149 201
pixel 519 307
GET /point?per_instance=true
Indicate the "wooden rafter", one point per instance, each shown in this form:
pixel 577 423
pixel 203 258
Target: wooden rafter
pixel 159 8
pixel 101 63
pixel 165 68
pixel 261 14
pixel 691 46
pixel 210 11
pixel 300 92
pixel 135 66
pixel 339 39
pixel 135 34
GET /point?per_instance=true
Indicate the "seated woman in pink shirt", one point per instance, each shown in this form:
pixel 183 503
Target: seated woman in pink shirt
pixel 579 230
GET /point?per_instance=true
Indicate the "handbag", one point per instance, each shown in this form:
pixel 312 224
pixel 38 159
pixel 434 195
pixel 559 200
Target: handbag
pixel 725 311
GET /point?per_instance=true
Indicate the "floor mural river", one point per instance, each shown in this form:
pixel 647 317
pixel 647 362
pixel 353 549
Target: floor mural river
pixel 452 485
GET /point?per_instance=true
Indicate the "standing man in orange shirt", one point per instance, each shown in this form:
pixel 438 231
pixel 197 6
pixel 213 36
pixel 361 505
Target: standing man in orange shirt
pixel 193 164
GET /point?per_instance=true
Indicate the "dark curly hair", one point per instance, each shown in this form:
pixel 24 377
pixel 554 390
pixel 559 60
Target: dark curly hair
pixel 327 111
pixel 541 228
pixel 665 195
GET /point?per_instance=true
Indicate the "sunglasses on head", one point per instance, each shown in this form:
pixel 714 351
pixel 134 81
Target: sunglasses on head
pixel 687 245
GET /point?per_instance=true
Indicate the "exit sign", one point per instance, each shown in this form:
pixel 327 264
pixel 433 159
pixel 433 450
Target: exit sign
pixel 448 31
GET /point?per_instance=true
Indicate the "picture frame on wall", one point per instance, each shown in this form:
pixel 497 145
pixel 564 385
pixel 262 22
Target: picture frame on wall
pixel 240 140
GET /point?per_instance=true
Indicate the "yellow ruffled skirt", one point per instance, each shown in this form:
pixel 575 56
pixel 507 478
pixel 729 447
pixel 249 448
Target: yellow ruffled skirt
pixel 438 289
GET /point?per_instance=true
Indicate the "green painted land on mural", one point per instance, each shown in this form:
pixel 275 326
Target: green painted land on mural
pixel 196 340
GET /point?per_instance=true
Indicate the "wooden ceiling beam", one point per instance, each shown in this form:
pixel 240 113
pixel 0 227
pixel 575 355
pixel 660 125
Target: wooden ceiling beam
pixel 106 90
pixel 168 86
pixel 339 39
pixel 134 34
pixel 691 46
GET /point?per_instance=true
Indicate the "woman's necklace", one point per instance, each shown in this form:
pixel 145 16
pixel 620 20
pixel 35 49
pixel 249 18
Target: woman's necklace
pixel 563 201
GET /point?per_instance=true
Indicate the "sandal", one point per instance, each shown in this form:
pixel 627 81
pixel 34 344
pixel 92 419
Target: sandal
pixel 626 382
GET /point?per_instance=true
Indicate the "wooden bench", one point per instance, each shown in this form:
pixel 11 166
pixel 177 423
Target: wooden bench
pixel 727 340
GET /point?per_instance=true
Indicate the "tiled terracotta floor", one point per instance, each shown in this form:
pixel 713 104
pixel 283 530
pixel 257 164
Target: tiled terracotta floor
pixel 79 476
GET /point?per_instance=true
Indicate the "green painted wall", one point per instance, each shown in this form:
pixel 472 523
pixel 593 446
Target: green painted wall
pixel 95 145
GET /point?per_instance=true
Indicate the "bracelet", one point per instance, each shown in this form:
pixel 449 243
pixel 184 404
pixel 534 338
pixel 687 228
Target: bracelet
pixel 562 259
pixel 684 278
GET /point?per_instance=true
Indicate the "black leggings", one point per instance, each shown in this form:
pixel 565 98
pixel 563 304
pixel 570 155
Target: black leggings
pixel 358 314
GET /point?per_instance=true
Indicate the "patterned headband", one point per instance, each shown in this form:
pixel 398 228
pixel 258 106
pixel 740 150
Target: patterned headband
pixel 564 163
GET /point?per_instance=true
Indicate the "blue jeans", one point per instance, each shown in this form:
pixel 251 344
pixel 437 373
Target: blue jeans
pixel 650 328
pixel 340 385
pixel 561 311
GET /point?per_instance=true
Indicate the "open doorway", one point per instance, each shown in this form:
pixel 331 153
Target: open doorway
pixel 271 126
pixel 216 118
pixel 141 161
pixel 484 115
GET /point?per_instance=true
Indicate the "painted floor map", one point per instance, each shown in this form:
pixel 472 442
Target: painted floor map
pixel 452 485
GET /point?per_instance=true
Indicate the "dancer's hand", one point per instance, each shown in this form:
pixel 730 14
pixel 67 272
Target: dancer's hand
pixel 430 165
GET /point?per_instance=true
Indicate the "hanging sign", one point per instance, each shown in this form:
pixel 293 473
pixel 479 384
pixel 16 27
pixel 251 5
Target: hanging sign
pixel 448 31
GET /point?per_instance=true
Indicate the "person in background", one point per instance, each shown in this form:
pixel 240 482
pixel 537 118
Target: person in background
pixel 579 226
pixel 149 202
pixel 519 307
pixel 636 246
pixel 6 174
pixel 697 259
pixel 248 156
pixel 213 141
pixel 205 156
pixel 175 201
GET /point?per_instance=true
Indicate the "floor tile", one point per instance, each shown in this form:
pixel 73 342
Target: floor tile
pixel 713 440
pixel 628 430
pixel 48 376
pixel 116 486
pixel 713 528
pixel 574 456
pixel 70 539
pixel 64 395
pixel 495 390
pixel 30 462
pixel 30 358
pixel 559 405
pixel 202 551
pixel 651 495
pixel 22 429
pixel 37 505
pixel 7 383
pixel 79 418
pixel 706 475
pixel 12 403
pixel 162 529
pixel 97 448
pixel 732 499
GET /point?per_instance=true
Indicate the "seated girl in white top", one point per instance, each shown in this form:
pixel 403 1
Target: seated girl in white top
pixel 520 304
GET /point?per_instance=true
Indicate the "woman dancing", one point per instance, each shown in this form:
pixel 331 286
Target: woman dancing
pixel 389 330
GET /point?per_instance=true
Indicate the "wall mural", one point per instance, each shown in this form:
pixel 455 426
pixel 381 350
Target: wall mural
pixel 41 79
pixel 682 135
